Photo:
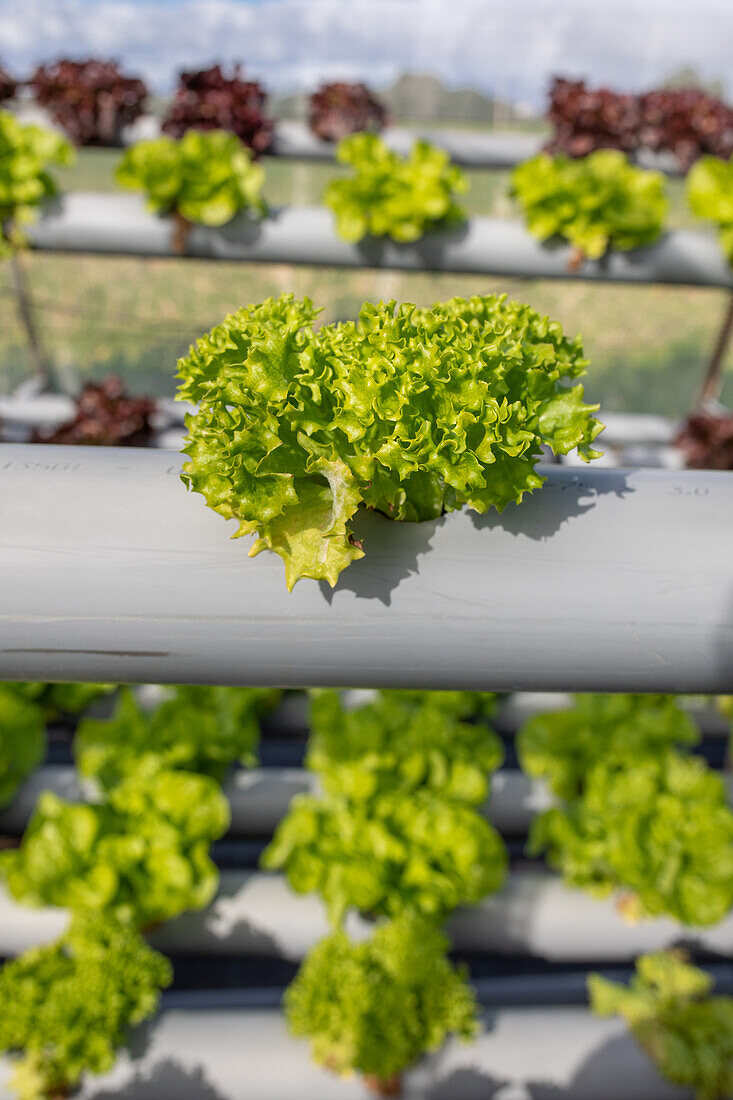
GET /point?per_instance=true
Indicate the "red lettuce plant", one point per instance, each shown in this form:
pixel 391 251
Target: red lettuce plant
pixel 7 85
pixel 106 416
pixel 91 100
pixel 588 119
pixel 706 440
pixel 339 109
pixel 687 122
pixel 209 100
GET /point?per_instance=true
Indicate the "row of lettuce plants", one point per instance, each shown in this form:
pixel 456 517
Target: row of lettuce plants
pixel 134 855
pixel 638 814
pixel 597 203
pixel 396 833
pixel 93 100
pixel 686 122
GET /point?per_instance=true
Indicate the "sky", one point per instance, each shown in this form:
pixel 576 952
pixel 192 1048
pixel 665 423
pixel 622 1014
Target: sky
pixel 509 47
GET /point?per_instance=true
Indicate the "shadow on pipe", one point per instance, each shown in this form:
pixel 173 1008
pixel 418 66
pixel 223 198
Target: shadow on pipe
pixel 397 547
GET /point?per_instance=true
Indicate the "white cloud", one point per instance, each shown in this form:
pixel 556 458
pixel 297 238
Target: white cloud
pixel 510 48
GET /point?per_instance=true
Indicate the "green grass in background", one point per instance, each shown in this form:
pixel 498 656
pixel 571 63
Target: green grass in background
pixel 647 344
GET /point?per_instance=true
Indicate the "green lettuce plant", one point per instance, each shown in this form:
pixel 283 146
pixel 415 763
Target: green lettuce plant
pixel 596 203
pixel 561 746
pixel 410 411
pixel 710 195
pixel 390 854
pixel 67 1006
pixel 205 177
pixel 199 729
pixel 656 827
pixel 459 704
pixel 375 1007
pixel 686 1032
pixel 393 196
pixel 142 854
pixel 58 699
pixel 22 741
pixel 395 744
pixel 26 151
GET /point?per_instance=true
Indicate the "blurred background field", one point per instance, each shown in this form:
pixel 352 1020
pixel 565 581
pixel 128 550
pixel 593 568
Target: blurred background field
pixel 647 345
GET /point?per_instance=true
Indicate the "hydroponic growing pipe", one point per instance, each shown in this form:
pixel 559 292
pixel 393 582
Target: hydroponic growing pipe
pixel 602 580
pixel 256 914
pixel 499 149
pixel 527 1053
pixel 89 222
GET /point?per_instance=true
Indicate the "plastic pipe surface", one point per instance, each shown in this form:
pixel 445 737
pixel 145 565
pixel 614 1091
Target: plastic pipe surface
pixel 119 223
pixel 471 149
pixel 603 580
pixel 229 1054
pixel 257 914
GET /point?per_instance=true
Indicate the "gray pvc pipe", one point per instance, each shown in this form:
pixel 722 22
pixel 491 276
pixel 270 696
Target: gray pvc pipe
pixel 114 223
pixel 472 149
pixel 40 409
pixel 495 149
pixel 602 580
pixel 521 1054
pixel 518 708
pixel 255 913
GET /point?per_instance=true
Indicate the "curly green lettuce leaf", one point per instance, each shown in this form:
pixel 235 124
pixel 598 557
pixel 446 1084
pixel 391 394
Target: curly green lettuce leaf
pixel 142 855
pixel 596 203
pixel 410 411
pixel 391 854
pixel 26 151
pixel 198 729
pixel 67 1006
pixel 375 1007
pixel 561 746
pixel 657 827
pixel 686 1032
pixel 206 176
pixel 710 195
pixel 394 744
pixel 22 740
pixel 393 196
